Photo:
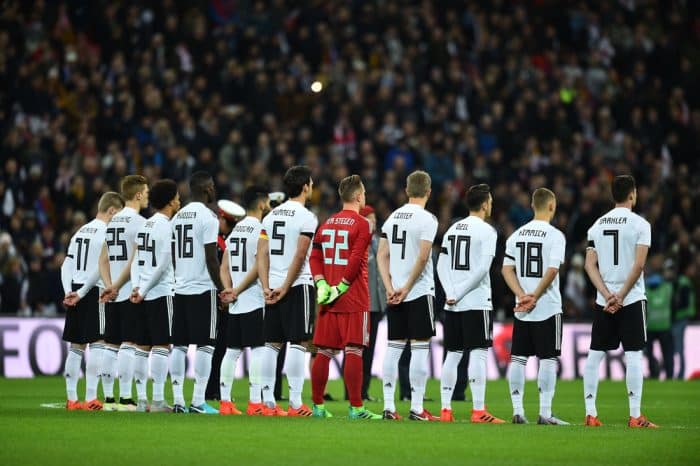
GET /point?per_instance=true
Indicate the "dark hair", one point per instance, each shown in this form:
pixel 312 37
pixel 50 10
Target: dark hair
pixel 252 195
pixel 477 195
pixel 162 192
pixel 349 186
pixel 199 182
pixel 295 179
pixel 131 185
pixel 622 187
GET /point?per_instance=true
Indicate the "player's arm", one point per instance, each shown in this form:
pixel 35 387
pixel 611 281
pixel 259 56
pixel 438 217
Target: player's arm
pixel 545 281
pixel 297 263
pixel 67 271
pixel 640 258
pixel 383 265
pixel 426 248
pixel 444 271
pixel 248 280
pixel 212 260
pixel 511 279
pixel 91 281
pixel 224 271
pixel 478 274
pixel 591 267
pixel 163 260
pixel 125 275
pixel 103 265
pixel 263 261
pixel 358 252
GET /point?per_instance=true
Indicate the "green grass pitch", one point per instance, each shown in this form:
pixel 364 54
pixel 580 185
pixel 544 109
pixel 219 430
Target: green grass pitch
pixel 32 434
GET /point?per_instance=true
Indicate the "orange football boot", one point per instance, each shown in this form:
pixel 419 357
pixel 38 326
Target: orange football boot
pixel 484 417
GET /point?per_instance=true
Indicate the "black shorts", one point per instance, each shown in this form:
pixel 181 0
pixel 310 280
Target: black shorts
pixel 155 322
pixel 292 318
pixel 467 330
pixel 131 321
pixel 245 330
pixel 540 338
pixel 85 323
pixel 113 323
pixel 194 319
pixel 627 326
pixel 412 320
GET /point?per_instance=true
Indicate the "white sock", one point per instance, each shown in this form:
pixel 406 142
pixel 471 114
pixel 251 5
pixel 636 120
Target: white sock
pixel 125 368
pixel 390 373
pixel 72 372
pixel 228 369
pixel 178 357
pixel 268 369
pixel 159 372
pixel 202 369
pixel 547 382
pixel 477 377
pixel 449 378
pixel 109 370
pixel 590 380
pixel 418 373
pixel 295 365
pixel 516 381
pixel 92 371
pixel 635 381
pixel 256 357
pixel 141 373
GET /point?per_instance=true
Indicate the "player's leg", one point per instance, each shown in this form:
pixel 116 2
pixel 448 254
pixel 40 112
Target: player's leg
pixel 141 336
pixel 113 340
pixel 327 340
pixel 397 334
pixel 632 325
pixel 94 332
pixel 178 356
pixel 234 349
pixel 253 336
pixel 421 329
pixel 298 320
pixel 160 323
pixel 548 349
pixel 73 332
pixel 274 337
pixel 603 337
pixel 521 347
pixel 478 332
pixel 202 326
pixel 126 356
pixel 454 345
pixel 354 332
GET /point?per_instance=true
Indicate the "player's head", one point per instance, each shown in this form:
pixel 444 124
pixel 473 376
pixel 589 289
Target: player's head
pixel 297 182
pixel 257 199
pixel 165 197
pixel 624 189
pixel 544 202
pixel 418 185
pixel 352 191
pixel 479 199
pixel 110 203
pixel 202 187
pixel 134 188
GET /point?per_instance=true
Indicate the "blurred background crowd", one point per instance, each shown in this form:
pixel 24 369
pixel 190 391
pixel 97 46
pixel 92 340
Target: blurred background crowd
pixel 517 94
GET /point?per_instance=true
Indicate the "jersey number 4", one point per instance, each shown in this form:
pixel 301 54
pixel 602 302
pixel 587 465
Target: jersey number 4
pixel 337 241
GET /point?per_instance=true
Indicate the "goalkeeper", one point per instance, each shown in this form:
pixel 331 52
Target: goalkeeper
pixel 339 267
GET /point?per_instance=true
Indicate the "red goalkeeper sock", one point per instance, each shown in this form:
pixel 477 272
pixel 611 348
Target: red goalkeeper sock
pixel 353 374
pixel 319 376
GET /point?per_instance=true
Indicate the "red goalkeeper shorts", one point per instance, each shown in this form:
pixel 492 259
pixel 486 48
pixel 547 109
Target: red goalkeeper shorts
pixel 340 329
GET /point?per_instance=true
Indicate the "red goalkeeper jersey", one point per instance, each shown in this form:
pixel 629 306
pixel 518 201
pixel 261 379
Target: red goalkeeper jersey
pixel 340 252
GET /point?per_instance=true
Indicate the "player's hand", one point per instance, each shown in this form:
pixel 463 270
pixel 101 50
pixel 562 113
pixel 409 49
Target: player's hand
pixel 389 295
pixel 450 301
pixel 613 303
pixel 323 291
pixel 337 291
pixel 135 297
pixel 71 299
pixel 526 303
pixel 399 296
pixel 109 294
pixel 228 296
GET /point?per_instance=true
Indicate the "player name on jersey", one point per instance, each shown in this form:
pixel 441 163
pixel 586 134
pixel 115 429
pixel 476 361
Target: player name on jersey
pixel 612 221
pixel 533 233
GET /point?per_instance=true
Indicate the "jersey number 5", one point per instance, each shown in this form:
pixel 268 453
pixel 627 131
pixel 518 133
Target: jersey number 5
pixel 337 241
pixel 278 236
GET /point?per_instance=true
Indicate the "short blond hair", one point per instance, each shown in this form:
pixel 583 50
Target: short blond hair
pixel 110 199
pixel 349 186
pixel 131 185
pixel 418 184
pixel 541 197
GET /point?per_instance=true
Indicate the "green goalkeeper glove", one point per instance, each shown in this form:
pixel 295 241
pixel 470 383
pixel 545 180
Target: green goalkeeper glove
pixel 323 291
pixel 337 291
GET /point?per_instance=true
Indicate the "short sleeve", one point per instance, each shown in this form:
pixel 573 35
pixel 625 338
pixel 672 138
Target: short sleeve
pixel 590 236
pixel 509 256
pixel 429 229
pixel 644 233
pixel 210 232
pixel 386 227
pixel 556 254
pixel 310 224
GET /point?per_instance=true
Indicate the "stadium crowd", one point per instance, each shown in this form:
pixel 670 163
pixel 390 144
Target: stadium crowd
pixel 515 94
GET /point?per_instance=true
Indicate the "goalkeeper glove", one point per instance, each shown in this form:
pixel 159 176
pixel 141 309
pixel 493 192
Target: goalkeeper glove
pixel 323 291
pixel 337 291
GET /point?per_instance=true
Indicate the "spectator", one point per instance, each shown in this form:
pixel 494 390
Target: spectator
pixel 683 310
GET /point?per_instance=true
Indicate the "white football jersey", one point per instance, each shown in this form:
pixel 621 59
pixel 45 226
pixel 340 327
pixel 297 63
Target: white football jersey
pixel 405 228
pixel 533 248
pixel 242 246
pixel 615 237
pixel 193 226
pixel 121 245
pixel 84 255
pixel 283 227
pixel 468 248
pixel 153 264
